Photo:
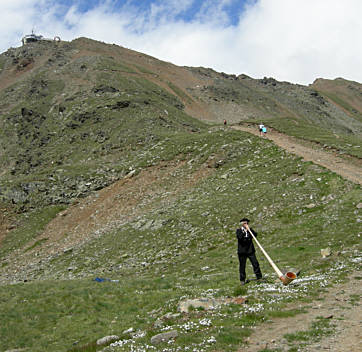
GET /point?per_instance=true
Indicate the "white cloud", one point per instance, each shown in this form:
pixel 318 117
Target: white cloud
pixel 292 40
pixel 301 40
pixel 20 17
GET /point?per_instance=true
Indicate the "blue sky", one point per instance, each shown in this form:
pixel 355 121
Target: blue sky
pixel 290 40
pixel 188 11
pixel 155 12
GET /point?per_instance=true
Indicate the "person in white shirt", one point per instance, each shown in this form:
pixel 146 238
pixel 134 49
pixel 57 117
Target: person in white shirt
pixel 261 126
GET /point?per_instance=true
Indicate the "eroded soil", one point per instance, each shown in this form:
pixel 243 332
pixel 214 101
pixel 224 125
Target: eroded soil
pixel 102 212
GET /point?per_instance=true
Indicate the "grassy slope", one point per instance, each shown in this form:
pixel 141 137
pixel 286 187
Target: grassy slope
pixel 157 266
pixel 112 118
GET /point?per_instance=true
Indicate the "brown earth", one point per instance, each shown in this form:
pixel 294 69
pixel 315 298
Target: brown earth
pixel 105 210
pixel 350 168
pixel 335 305
pixel 7 220
pixel 350 92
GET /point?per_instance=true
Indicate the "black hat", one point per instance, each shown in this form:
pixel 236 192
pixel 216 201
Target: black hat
pixel 245 219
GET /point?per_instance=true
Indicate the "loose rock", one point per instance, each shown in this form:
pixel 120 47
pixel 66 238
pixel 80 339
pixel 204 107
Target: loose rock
pixel 107 339
pixel 164 337
pixel 208 303
pixel 326 252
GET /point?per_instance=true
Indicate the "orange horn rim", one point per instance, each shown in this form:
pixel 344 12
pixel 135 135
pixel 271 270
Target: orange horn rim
pixel 287 278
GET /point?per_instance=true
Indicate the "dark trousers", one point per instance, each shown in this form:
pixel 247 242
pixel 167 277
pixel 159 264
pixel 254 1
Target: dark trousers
pixel 254 263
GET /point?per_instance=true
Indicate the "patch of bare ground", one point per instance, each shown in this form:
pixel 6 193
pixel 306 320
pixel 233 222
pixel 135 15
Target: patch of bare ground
pixel 108 209
pixel 14 75
pixel 7 220
pixel 336 305
pixel 349 91
pixel 350 168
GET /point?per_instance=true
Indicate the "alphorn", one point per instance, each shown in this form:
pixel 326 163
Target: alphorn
pixel 285 279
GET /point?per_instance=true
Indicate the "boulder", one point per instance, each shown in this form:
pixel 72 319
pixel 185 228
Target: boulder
pixel 208 303
pixel 107 340
pixel 130 174
pixel 203 303
pixel 326 252
pixel 164 337
pixel 128 331
pixel 170 315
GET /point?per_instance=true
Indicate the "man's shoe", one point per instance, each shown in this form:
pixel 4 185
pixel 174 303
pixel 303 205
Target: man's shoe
pixel 242 283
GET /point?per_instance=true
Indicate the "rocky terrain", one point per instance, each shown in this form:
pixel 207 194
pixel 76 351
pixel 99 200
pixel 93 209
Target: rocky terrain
pixel 72 111
pixel 121 190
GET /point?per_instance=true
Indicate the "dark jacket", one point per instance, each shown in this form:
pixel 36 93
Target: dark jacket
pixel 245 241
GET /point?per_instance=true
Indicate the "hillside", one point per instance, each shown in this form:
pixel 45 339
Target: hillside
pixel 71 111
pixel 116 166
pixel 345 94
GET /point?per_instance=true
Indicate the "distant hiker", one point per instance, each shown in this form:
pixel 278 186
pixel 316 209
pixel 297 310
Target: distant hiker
pixel 224 122
pixel 264 131
pixel 246 250
pixel 261 129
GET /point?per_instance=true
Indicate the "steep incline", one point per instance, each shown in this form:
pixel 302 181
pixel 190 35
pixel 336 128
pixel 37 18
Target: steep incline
pixel 72 114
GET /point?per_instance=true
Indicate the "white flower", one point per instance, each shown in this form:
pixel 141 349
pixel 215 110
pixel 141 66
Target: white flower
pixel 211 339
pixel 205 322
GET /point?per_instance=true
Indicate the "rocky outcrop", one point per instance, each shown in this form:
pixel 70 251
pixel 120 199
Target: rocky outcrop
pixel 164 337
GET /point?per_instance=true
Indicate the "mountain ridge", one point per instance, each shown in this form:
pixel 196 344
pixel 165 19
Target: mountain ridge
pixel 49 92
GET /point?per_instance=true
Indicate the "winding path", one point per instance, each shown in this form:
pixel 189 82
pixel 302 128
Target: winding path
pixel 350 169
pixel 336 305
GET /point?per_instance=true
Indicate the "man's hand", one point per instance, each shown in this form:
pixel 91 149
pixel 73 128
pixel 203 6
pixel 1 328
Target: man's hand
pixel 245 225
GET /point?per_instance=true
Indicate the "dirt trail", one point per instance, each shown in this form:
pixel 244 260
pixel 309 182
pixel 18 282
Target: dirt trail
pixel 311 152
pixel 336 305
